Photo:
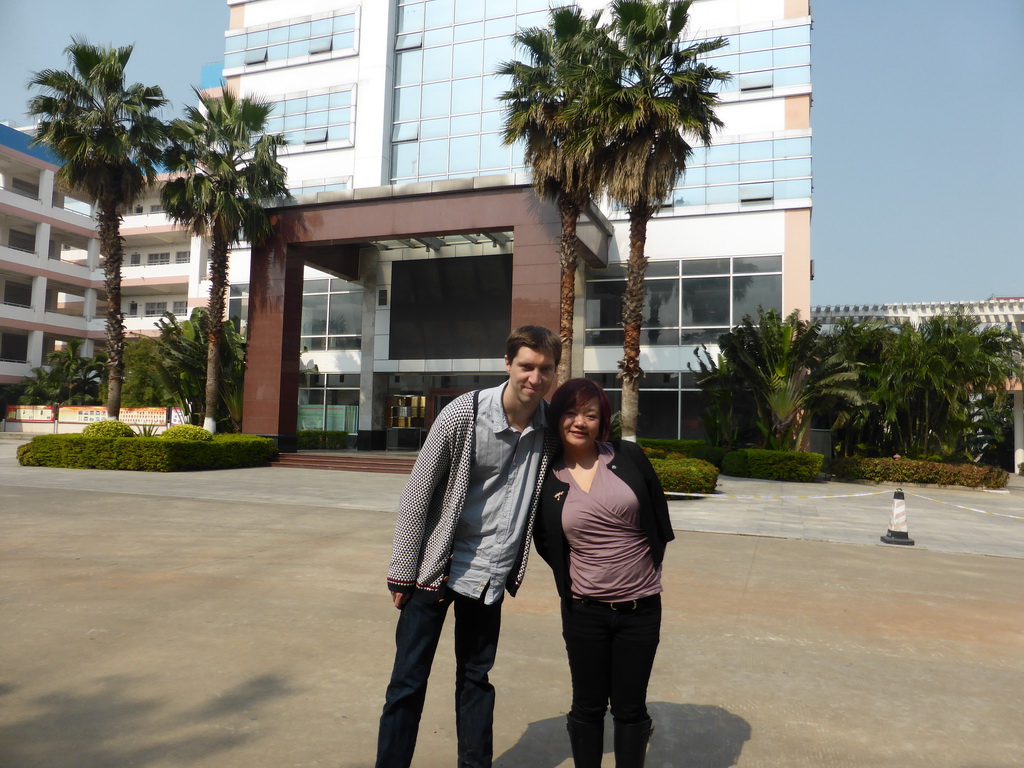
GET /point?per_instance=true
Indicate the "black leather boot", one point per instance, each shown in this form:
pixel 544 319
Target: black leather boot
pixel 587 742
pixel 631 743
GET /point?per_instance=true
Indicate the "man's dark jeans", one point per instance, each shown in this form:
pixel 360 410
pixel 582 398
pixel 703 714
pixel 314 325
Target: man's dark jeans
pixel 476 642
pixel 611 654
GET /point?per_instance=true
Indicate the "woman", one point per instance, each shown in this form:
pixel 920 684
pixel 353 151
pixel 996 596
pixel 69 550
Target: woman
pixel 602 527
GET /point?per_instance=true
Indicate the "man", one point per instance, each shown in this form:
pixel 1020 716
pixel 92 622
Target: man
pixel 462 536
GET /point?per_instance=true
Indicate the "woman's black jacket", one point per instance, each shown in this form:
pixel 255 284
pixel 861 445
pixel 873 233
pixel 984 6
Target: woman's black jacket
pixel 631 465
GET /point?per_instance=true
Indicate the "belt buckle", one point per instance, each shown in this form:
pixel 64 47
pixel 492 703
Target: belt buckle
pixel 615 607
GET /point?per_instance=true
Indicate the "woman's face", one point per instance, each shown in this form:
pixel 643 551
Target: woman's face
pixel 580 425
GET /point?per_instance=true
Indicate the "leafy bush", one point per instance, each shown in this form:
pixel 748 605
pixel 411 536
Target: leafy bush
pixel 911 471
pixel 324 440
pixel 108 429
pixel 735 463
pixel 187 432
pixel 691 449
pixel 147 454
pixel 682 475
pixel 790 466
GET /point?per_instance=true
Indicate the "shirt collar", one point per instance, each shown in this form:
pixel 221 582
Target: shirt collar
pixel 499 421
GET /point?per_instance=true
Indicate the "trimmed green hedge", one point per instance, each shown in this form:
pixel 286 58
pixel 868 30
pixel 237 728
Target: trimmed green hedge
pixel 109 428
pixel 187 432
pixel 691 449
pixel 683 475
pixel 791 466
pixel 146 454
pixel 322 439
pixel 911 471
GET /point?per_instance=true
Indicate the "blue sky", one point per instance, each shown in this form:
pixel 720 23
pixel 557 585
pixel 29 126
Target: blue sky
pixel 918 120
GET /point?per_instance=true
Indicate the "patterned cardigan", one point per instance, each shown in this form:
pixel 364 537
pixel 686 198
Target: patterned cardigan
pixel 431 504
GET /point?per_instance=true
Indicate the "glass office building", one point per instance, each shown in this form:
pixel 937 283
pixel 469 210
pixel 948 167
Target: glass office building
pixel 399 98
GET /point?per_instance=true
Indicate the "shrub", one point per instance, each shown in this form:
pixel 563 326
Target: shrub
pixel 691 449
pixel 108 428
pixel 790 466
pixel 735 463
pixel 324 440
pixel 187 432
pixel 148 454
pixel 912 471
pixel 682 475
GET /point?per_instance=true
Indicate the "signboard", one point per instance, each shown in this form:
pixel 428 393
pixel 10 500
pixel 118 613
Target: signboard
pixel 81 414
pixel 30 413
pixel 143 416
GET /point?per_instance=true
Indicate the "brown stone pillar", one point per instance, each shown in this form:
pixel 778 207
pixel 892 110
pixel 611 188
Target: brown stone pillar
pixel 275 316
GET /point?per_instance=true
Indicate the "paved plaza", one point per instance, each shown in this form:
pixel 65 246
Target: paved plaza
pixel 240 619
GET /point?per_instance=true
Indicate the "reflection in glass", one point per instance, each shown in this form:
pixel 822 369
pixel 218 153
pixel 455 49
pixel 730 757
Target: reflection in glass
pixel 752 292
pixel 706 301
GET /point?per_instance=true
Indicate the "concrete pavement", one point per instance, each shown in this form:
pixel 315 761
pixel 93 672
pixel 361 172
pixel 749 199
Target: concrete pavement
pixel 240 618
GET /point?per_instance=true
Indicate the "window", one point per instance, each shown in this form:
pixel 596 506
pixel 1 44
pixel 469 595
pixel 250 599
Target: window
pixel 18 294
pixel 157 259
pixel 13 347
pixel 156 208
pixel 182 257
pixel 263 44
pixel 332 315
pixel 180 308
pixel 22 241
pixel 135 259
pixel 314 117
pixel 155 308
pixel 688 301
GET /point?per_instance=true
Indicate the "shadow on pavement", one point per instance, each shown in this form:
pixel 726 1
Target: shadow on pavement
pixel 690 735
pixel 100 727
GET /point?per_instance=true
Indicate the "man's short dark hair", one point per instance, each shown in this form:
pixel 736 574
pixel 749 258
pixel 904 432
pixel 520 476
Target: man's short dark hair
pixel 536 337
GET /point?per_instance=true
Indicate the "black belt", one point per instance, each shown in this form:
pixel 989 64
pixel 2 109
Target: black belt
pixel 651 601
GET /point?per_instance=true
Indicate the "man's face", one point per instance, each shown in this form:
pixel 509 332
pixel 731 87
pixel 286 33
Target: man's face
pixel 530 375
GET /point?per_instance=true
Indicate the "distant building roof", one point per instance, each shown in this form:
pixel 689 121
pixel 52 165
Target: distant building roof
pixel 20 141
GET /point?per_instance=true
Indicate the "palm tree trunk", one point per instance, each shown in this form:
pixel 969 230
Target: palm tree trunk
pixel 632 319
pixel 218 295
pixel 112 249
pixel 568 262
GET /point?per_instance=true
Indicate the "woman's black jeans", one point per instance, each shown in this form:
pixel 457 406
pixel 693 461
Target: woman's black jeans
pixel 611 653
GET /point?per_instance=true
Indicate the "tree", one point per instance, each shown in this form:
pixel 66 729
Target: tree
pixel 67 379
pixel 648 99
pixel 537 113
pixel 143 384
pixel 224 166
pixel 937 389
pixel 109 139
pixel 182 360
pixel 782 363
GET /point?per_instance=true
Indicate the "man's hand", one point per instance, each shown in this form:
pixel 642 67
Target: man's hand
pixel 400 599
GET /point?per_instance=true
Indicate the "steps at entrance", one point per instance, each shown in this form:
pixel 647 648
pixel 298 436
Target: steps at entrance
pixel 347 462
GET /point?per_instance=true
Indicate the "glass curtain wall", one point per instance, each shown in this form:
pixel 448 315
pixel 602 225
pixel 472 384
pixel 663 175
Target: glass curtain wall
pixel 688 301
pixel 447 118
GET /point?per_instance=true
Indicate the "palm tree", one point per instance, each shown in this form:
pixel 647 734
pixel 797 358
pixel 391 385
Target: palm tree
pixel 783 364
pixel 536 106
pixel 648 99
pixel 224 165
pixel 109 139
pixel 67 379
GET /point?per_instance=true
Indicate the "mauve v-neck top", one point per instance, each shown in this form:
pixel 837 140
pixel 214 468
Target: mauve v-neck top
pixel 609 558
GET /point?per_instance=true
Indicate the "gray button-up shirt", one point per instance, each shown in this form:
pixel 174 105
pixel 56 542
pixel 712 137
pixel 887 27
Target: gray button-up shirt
pixel 501 485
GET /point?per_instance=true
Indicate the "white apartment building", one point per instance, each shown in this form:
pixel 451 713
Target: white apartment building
pixel 50 284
